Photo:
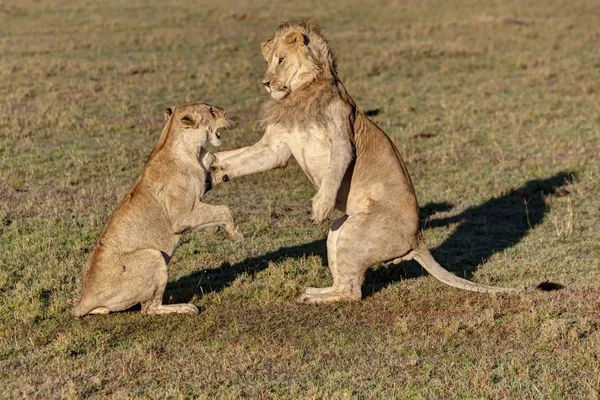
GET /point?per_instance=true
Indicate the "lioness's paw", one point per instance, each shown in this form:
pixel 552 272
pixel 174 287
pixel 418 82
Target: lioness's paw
pixel 303 298
pixel 184 308
pixel 234 234
pixel 322 207
pixel 208 159
pixel 187 308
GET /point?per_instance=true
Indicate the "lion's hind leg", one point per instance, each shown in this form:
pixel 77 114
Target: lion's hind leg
pixel 346 269
pixel 332 238
pixel 318 290
pixel 354 244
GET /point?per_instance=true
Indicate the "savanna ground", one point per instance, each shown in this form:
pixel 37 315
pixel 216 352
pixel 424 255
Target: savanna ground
pixel 495 107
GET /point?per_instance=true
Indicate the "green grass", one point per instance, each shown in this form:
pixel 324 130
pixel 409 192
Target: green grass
pixel 496 109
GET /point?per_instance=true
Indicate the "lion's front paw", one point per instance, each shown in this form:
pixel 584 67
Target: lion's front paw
pixel 322 206
pixel 217 174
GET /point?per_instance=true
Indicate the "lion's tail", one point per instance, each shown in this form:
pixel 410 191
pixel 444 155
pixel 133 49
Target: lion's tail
pixel 423 256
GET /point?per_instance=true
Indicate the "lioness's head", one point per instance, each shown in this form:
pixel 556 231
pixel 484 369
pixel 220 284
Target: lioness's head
pixel 198 123
pixel 295 57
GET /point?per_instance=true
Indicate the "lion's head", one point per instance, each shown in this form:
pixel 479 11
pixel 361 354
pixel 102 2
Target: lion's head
pixel 295 57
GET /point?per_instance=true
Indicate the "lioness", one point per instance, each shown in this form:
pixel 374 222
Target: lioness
pixel 129 264
pixel 351 162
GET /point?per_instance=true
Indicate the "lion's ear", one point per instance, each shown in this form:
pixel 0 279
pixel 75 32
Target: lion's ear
pixel 265 47
pixel 168 113
pixel 295 38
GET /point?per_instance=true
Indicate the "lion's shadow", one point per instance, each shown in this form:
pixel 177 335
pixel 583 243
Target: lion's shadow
pixel 496 225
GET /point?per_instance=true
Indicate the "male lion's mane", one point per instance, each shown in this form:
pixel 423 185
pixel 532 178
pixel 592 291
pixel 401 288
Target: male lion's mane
pixel 308 104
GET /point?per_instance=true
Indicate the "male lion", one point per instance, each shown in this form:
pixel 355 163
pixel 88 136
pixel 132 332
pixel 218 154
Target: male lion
pixel 351 162
pixel 129 264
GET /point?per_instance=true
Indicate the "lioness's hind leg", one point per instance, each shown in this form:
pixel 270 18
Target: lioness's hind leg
pixel 99 310
pixel 127 280
pixel 183 308
pixel 143 279
pixel 155 281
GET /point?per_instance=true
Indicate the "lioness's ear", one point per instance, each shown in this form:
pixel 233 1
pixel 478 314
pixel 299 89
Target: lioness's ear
pixel 187 121
pixel 265 47
pixel 168 113
pixel 295 38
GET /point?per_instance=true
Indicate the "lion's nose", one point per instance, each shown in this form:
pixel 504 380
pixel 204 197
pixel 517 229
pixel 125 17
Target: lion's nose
pixel 267 84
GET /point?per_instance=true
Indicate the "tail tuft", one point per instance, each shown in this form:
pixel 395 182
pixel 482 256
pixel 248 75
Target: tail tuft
pixel 548 286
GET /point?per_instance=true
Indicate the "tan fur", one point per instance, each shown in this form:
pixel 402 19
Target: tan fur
pixel 128 266
pixel 351 162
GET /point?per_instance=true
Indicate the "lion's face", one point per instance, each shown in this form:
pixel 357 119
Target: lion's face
pixel 198 123
pixel 290 64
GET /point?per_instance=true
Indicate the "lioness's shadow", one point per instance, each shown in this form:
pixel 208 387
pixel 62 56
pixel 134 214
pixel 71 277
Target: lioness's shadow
pixel 496 225
pixel 214 280
pixel 491 227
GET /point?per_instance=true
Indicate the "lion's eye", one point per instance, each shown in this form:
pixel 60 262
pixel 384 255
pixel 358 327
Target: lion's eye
pixel 266 62
pixel 281 60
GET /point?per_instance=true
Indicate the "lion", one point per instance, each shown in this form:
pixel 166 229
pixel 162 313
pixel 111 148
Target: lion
pixel 128 266
pixel 352 163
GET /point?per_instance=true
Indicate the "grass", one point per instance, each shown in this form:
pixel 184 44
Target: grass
pixel 496 109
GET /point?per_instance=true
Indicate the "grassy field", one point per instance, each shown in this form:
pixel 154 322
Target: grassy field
pixel 495 107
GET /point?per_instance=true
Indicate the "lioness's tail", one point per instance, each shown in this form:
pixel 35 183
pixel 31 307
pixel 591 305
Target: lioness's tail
pixel 82 308
pixel 424 257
